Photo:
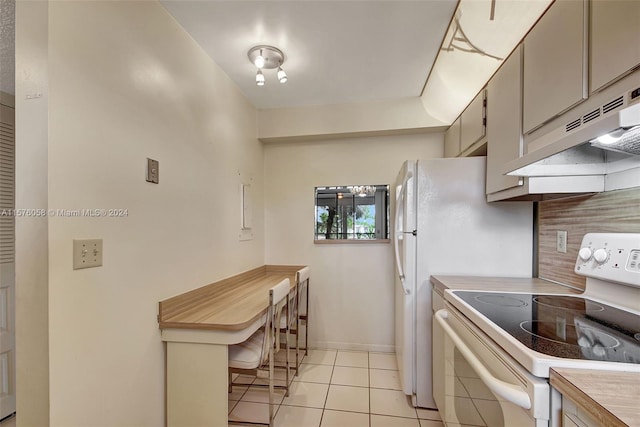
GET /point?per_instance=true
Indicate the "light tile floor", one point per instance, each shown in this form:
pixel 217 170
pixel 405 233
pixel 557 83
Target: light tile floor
pixel 335 388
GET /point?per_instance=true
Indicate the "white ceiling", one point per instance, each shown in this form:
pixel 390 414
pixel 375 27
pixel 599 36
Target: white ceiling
pixel 343 51
pixel 336 52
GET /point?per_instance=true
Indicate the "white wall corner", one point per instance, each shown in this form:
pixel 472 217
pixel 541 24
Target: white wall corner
pixel 31 177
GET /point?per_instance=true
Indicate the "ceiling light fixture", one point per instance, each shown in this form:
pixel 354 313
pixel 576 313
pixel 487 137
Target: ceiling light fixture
pixel 259 78
pixel 282 76
pixel 267 58
pixel 363 190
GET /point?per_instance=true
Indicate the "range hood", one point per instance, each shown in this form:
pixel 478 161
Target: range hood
pixel 598 151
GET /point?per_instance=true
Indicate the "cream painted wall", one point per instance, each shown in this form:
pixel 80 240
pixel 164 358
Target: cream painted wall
pixel 406 115
pixel 351 303
pixel 126 83
pixel 32 250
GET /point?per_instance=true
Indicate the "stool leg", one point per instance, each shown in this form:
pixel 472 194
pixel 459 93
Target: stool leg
pixel 306 324
pixel 297 345
pixel 288 368
pixel 271 374
pixel 297 332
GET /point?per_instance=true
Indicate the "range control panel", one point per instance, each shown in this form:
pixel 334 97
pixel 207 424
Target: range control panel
pixel 610 256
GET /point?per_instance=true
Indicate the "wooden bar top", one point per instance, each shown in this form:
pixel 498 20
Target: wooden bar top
pixel 230 304
pixel 611 398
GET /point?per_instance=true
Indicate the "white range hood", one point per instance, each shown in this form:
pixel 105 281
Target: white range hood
pixel 598 151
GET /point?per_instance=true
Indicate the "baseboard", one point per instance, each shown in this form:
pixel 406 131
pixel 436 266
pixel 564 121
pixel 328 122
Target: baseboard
pixel 351 346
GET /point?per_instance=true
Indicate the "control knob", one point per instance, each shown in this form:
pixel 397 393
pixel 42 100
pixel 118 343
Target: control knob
pixel 600 255
pixel 585 254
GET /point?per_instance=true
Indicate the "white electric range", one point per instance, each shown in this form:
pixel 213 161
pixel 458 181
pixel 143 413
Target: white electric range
pixel 499 346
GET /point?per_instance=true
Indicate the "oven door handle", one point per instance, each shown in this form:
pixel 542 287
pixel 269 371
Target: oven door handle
pixel 507 391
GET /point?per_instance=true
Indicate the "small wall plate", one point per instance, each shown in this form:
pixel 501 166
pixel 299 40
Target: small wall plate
pixel 153 171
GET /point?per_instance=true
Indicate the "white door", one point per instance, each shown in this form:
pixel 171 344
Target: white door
pixel 7 263
pixel 405 246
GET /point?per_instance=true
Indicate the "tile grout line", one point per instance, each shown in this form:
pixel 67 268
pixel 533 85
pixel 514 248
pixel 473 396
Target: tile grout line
pixel 241 396
pixel 369 376
pixel 324 407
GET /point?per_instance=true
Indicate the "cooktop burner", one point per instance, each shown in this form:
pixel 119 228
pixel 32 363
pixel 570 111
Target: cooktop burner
pixel 562 302
pixel 562 326
pixel 504 300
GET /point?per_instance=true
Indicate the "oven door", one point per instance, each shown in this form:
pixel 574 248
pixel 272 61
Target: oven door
pixel 477 383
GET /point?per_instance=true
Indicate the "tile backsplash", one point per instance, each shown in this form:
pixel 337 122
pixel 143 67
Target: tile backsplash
pixel 611 212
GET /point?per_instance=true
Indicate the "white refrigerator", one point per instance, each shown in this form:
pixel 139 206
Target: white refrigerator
pixel 444 226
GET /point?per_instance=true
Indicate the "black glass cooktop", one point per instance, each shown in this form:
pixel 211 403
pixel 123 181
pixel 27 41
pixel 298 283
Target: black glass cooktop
pixel 562 326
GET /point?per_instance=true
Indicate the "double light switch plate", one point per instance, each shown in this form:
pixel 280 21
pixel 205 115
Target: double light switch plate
pixel 87 253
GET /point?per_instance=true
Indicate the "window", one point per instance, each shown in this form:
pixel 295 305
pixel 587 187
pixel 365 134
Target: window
pixel 354 212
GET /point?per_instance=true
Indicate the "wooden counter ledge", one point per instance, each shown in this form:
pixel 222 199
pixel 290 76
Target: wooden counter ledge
pixel 230 304
pixel 197 328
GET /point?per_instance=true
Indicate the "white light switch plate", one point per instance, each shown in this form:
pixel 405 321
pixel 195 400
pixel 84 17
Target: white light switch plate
pixel 87 253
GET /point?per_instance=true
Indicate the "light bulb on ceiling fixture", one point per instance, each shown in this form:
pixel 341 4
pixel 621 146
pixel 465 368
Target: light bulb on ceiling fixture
pixel 259 61
pixel 260 78
pixel 282 76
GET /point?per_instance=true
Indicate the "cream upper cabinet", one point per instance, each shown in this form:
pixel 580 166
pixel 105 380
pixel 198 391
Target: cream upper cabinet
pixel 504 122
pixel 555 63
pixel 472 124
pixel 615 40
pixel 452 139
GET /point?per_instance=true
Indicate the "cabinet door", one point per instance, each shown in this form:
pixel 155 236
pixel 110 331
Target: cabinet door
pixel 472 127
pixel 615 40
pixel 452 139
pixel 504 122
pixel 555 63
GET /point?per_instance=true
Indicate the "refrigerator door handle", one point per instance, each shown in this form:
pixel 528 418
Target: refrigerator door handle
pixel 399 236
